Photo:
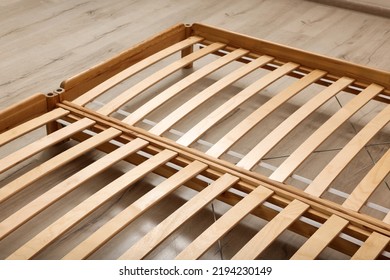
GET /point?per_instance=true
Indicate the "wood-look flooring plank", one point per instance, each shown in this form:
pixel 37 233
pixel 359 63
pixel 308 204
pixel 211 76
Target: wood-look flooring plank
pixel 271 231
pixel 43 143
pixel 134 69
pixel 30 125
pixel 350 150
pixel 206 94
pixel 180 216
pixel 213 118
pixel 132 212
pixel 175 89
pixel 225 223
pixel 135 90
pixel 372 247
pixel 261 113
pixel 84 209
pixel 273 138
pixel 56 162
pixel 322 133
pixel 42 202
pixel 320 239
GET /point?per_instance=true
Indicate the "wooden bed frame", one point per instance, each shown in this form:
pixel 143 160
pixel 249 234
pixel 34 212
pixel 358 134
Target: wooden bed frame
pixel 87 109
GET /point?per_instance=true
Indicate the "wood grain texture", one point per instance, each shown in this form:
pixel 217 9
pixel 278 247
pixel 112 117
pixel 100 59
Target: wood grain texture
pixel 173 90
pixel 372 247
pixel 94 31
pixel 21 111
pixel 59 227
pixel 320 239
pixel 39 204
pixel 132 70
pixel 196 131
pixel 176 219
pixel 261 113
pixel 350 150
pixel 43 143
pixel 132 92
pixel 124 218
pixel 271 231
pixel 225 223
pixel 370 182
pixel 56 162
pixel 322 133
pixel 206 94
pixel 28 126
pixel 387 218
pixel 273 138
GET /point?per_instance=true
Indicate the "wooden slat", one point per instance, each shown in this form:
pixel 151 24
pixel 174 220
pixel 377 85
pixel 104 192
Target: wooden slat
pixel 285 53
pixel 320 239
pixel 196 131
pixel 56 162
pixel 261 113
pixel 225 223
pixel 43 143
pixel 173 90
pixel 206 94
pixel 372 247
pixel 54 194
pixel 387 218
pixel 273 138
pixel 135 90
pixel 134 69
pixel 22 111
pixel 124 218
pixel 84 209
pixel 341 160
pixel 370 182
pixel 322 133
pixel 30 125
pixel 181 215
pixel 271 231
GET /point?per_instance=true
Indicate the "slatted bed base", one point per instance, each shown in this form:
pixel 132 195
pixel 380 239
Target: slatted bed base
pixel 200 143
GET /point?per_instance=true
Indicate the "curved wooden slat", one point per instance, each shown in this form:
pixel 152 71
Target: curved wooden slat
pixel 273 138
pixel 370 182
pixel 30 125
pixel 322 133
pixel 33 208
pixel 43 143
pixel 134 69
pixel 176 219
pixel 173 90
pixel 372 247
pixel 84 209
pixel 206 94
pixel 271 231
pixel 262 112
pixel 320 239
pixel 213 118
pixel 225 223
pixel 387 218
pixel 56 162
pixel 135 90
pixel 124 218
pixel 341 160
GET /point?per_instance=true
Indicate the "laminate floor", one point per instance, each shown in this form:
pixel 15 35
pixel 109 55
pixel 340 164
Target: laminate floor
pixel 44 42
